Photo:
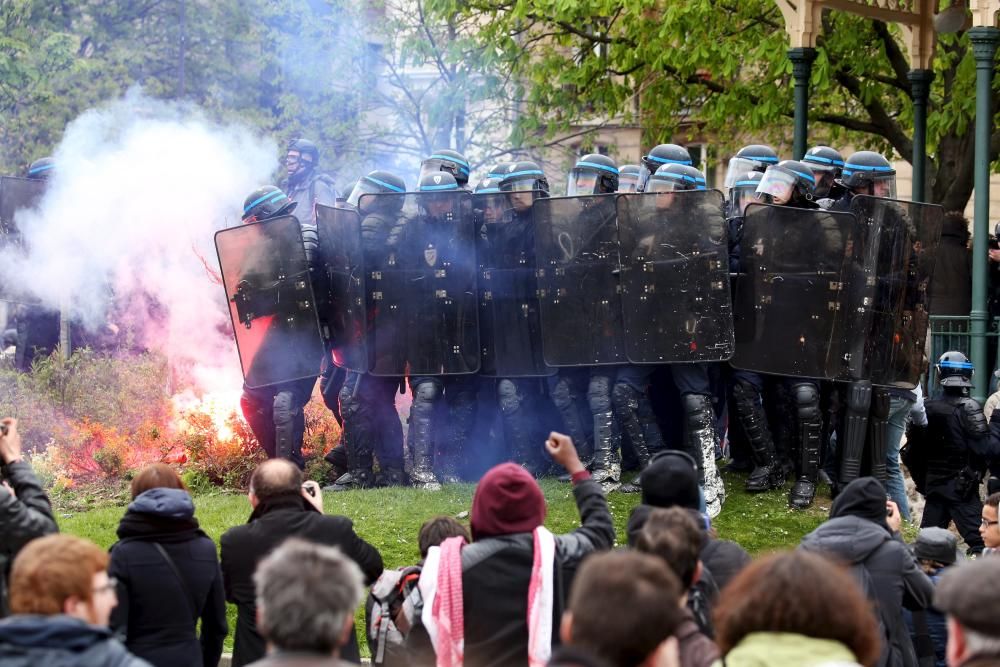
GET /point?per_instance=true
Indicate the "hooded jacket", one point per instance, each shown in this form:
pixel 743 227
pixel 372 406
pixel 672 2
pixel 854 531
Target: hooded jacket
pixel 786 649
pixel 858 536
pixel 156 612
pixel 496 569
pixel 60 641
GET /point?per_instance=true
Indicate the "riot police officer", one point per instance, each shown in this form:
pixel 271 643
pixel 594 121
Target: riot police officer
pixel 367 402
pixel 826 164
pixel 428 243
pixel 41 169
pixel 304 183
pixel 275 413
pixel 630 178
pixel 788 183
pixel 509 247
pixel 753 157
pixel 660 155
pixel 954 450
pixel 450 162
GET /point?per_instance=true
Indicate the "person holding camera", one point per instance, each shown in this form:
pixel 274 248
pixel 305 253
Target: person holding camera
pixel 25 510
pixel 283 507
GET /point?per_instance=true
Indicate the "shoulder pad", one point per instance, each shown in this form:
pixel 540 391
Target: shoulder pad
pixel 973 419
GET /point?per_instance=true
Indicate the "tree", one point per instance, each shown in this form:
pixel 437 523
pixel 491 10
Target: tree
pixel 720 66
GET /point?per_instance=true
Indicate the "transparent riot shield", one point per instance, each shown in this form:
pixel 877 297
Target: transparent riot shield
pixel 895 257
pixel 579 273
pixel 340 300
pixel 789 305
pixel 270 294
pixel 510 333
pixel 423 291
pixel 675 277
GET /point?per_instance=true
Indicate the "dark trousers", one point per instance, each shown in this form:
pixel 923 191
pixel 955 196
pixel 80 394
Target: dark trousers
pixel 944 505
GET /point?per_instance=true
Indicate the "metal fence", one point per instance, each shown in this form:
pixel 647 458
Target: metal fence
pixel 953 333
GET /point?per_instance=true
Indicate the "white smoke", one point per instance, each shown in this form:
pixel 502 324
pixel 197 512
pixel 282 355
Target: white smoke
pixel 124 233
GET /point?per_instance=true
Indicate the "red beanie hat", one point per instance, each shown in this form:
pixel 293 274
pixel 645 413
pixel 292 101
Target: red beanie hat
pixel 507 500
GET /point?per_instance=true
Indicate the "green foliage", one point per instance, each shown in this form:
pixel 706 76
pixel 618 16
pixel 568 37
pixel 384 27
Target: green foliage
pixel 686 69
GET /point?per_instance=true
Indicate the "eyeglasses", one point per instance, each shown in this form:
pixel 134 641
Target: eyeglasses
pixel 111 586
pixel 987 523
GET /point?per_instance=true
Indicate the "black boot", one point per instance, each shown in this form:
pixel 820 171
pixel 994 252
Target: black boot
pixel 810 431
pixel 766 474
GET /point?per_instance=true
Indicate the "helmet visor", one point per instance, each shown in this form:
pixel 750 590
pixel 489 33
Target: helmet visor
pixel 629 182
pixel 521 185
pixel 437 163
pixel 660 184
pixel 739 166
pixel 777 184
pixel 741 197
pixel 582 182
pixel 490 208
pixel 363 187
pixel 884 185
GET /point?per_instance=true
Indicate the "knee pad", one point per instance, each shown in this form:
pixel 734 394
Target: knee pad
pixel 599 394
pixel 625 397
pixel 283 406
pixel 425 395
pixel 561 394
pixel 745 392
pixel 348 400
pixel 859 397
pixel 695 407
pixel 508 397
pixel 806 401
pixel 880 404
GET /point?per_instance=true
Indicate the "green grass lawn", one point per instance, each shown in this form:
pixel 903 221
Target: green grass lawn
pixel 390 518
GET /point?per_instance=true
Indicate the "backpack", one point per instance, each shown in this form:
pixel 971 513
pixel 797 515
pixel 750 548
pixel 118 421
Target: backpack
pixel 389 622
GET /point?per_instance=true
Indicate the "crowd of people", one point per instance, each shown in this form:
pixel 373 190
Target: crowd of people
pixel 502 591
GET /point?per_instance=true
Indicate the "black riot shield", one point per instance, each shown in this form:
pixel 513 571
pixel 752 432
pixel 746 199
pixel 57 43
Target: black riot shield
pixel 425 312
pixel 894 258
pixel 16 194
pixel 579 270
pixel 510 333
pixel 675 277
pixel 789 304
pixel 341 305
pixel 268 286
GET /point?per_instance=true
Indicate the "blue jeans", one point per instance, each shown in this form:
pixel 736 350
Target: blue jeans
pixel 899 413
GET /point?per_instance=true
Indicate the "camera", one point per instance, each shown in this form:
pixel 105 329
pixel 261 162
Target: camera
pixel 310 489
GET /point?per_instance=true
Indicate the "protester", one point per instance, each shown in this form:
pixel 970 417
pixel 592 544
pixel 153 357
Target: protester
pixel 283 507
pixel 969 596
pixel 25 511
pixel 616 609
pixel 476 599
pixel 673 536
pixel 390 606
pixel 306 596
pixel 861 535
pixel 936 550
pixel 795 609
pixel 62 597
pixel 989 526
pixel 671 480
pixel 168 576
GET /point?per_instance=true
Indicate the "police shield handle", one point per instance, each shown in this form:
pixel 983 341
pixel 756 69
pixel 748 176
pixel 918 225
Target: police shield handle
pixel 560 447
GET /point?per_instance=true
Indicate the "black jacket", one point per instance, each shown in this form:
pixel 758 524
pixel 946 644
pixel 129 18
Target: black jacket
pixel 722 558
pixel 156 612
pixel 22 519
pixel 495 577
pixel 60 641
pixel 858 535
pixel 270 524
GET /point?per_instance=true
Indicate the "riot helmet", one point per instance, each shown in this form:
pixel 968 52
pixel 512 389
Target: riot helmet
pixel 266 203
pixel 594 174
pixel 743 193
pixel 377 183
pixel 954 370
pixel 491 201
pixel 630 178
pixel 441 183
pixel 788 183
pixel 868 172
pixel 665 154
pixel 301 158
pixel 755 157
pixel 676 178
pixel 41 169
pixel 525 181
pixel 826 164
pixel 448 161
